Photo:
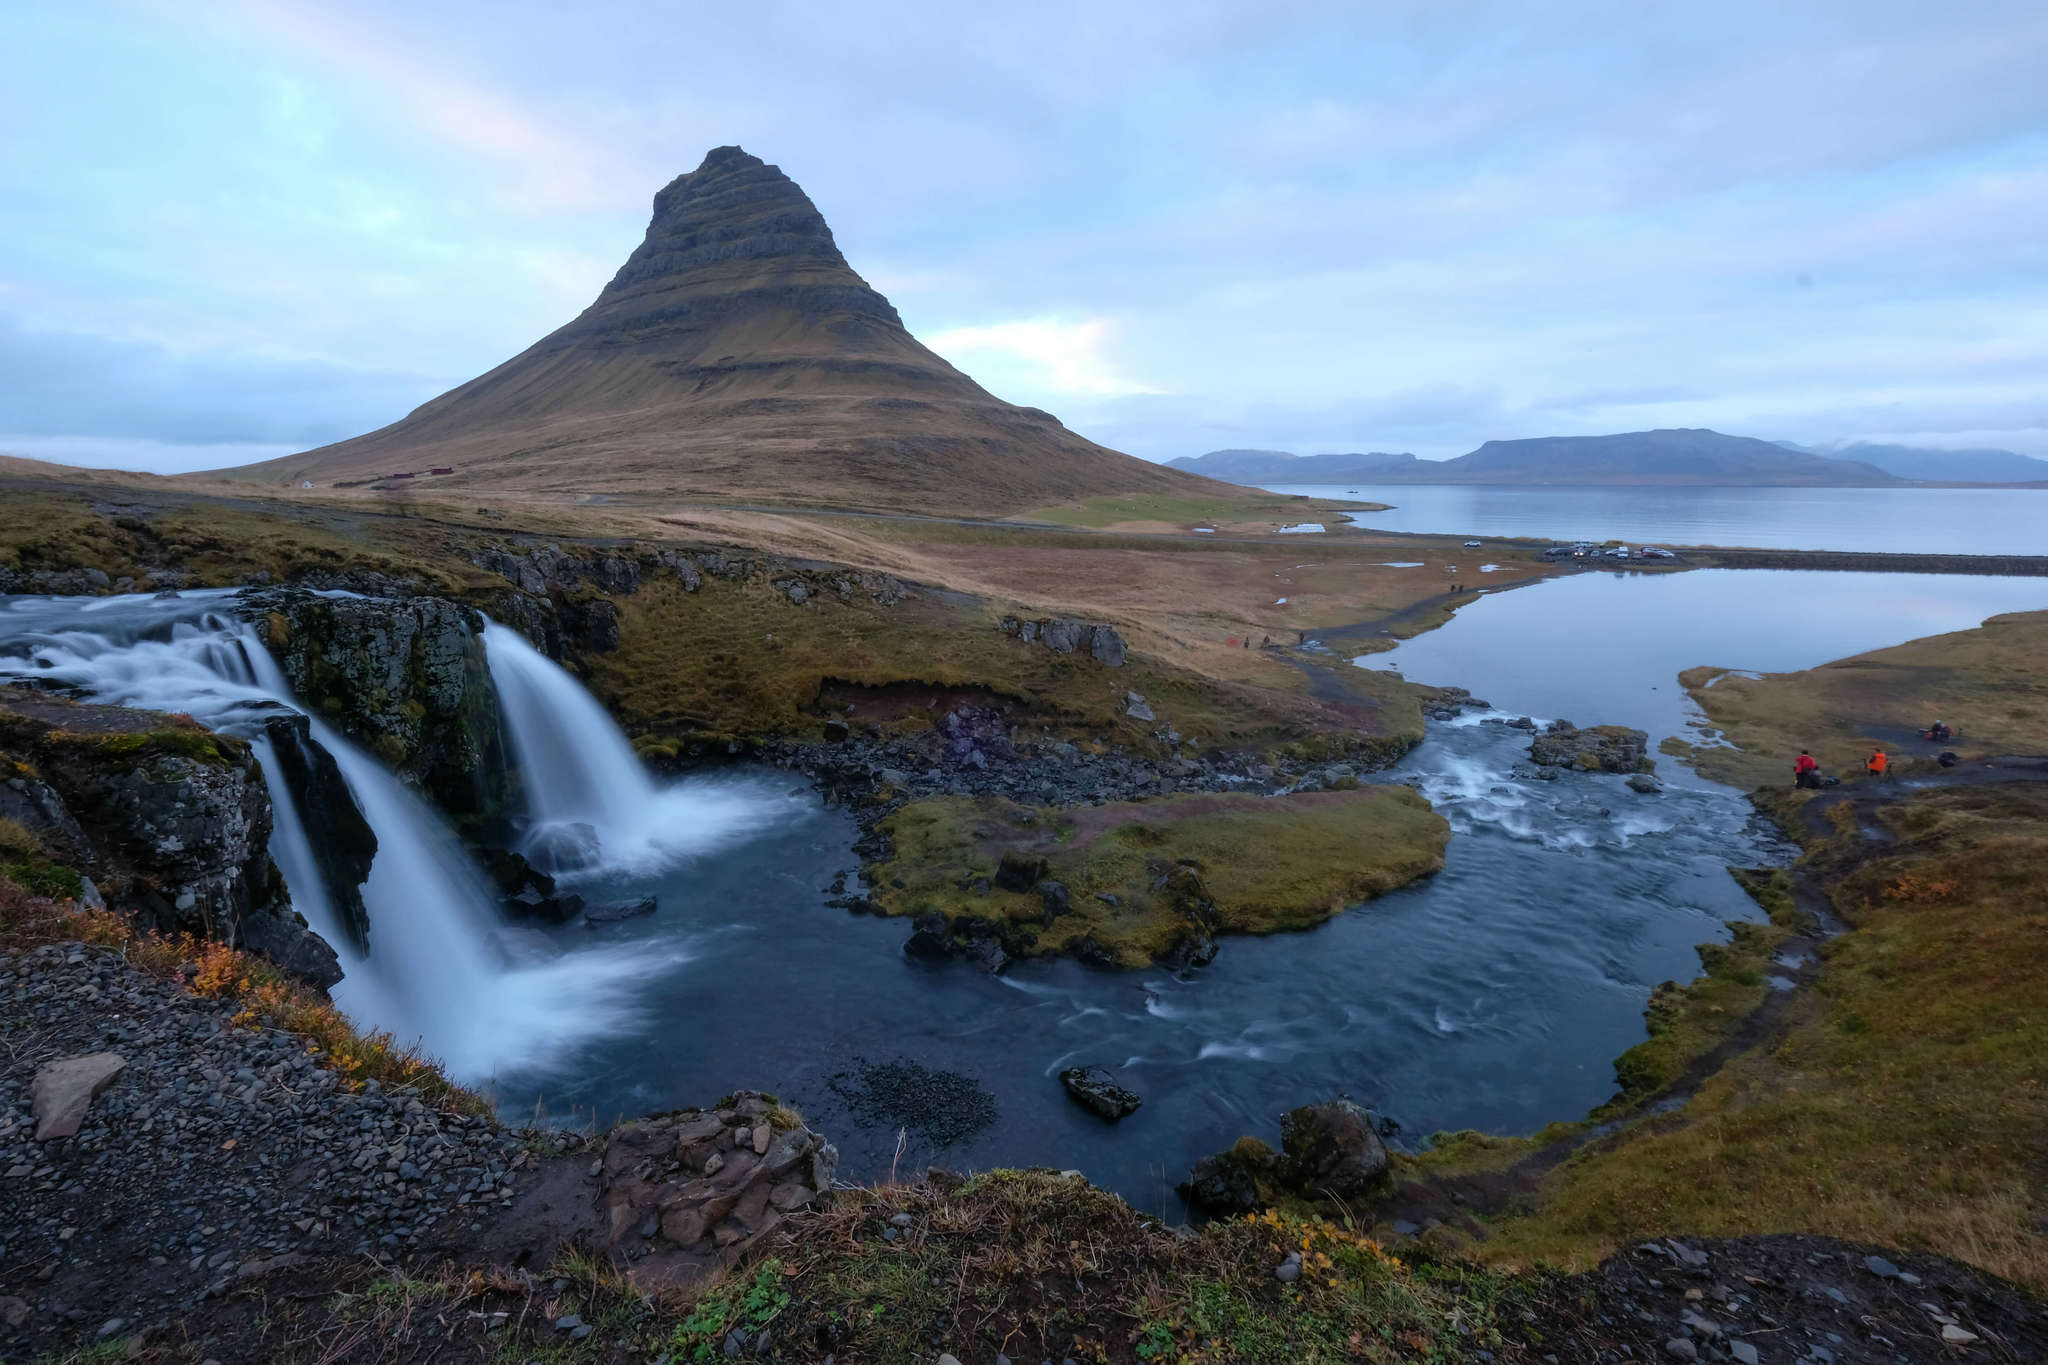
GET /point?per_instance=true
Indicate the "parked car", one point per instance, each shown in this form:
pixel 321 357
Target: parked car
pixel 1474 544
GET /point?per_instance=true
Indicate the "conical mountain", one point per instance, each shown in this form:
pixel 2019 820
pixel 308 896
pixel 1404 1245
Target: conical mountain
pixel 737 356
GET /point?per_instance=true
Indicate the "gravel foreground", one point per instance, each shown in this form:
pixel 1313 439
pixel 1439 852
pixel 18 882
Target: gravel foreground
pixel 216 1151
pixel 228 1198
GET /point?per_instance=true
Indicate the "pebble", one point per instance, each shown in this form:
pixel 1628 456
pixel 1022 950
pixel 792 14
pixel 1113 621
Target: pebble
pixel 1682 1348
pixel 1880 1267
pixel 1290 1269
pixel 1743 1352
pixel 1957 1336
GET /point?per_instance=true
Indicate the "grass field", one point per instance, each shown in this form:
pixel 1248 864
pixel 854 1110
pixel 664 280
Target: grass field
pixel 1906 1103
pixel 1989 684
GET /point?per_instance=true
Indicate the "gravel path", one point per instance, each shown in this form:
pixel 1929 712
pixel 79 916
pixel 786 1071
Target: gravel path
pixel 214 1152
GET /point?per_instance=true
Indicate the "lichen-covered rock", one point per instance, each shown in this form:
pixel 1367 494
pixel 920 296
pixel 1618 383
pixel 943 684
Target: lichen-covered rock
pixel 1232 1183
pixel 1600 748
pixel 1065 635
pixel 1331 1151
pixel 689 1192
pixel 1328 1151
pixel 193 834
pixel 407 679
pixel 1095 1090
pixel 172 822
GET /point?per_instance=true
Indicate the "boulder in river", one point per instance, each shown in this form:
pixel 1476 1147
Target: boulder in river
pixel 1095 1090
pixel 1599 748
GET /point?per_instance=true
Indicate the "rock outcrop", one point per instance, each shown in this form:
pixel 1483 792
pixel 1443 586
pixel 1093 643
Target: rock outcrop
pixel 167 821
pixel 341 840
pixel 1600 748
pixel 688 1192
pixel 1328 1151
pixel 1065 635
pixel 405 678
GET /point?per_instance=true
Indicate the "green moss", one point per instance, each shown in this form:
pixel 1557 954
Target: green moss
pixel 120 751
pixel 44 878
pixel 1140 876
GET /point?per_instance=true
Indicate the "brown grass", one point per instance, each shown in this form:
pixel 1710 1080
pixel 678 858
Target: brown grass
pixel 1989 684
pixel 1907 1103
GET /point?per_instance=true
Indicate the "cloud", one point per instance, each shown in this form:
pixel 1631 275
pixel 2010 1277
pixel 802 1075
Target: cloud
pixel 554 166
pixel 1039 355
pixel 59 385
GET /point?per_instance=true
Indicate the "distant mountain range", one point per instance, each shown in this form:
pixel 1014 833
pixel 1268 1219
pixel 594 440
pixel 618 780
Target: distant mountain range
pixel 1679 456
pixel 1280 466
pixel 1946 466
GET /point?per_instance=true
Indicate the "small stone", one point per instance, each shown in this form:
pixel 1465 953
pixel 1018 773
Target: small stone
pixel 1743 1352
pixel 65 1089
pixel 579 1332
pixel 1289 1270
pixel 568 1322
pixel 1682 1348
pixel 1837 1295
pixel 1880 1267
pixel 947 1358
pixel 762 1134
pixel 1957 1336
pixel 901 1220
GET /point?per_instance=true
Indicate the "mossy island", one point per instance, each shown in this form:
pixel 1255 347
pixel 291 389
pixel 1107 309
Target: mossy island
pixel 1135 882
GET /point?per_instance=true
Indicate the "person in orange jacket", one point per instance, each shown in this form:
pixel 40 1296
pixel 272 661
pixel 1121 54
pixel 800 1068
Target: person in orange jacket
pixel 1878 763
pixel 1805 770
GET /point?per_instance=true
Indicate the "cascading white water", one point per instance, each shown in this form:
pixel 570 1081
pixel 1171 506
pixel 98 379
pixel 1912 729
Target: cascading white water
pixel 443 968
pixel 591 807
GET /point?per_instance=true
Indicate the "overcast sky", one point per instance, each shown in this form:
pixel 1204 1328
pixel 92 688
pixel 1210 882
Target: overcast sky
pixel 232 230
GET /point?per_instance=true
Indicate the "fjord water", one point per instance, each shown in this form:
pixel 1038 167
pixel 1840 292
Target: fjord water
pixel 1955 521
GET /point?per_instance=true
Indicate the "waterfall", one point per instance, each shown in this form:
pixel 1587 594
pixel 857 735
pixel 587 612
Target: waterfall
pixel 442 966
pixel 591 807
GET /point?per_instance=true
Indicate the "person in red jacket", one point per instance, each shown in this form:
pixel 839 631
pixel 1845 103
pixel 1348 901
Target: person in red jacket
pixel 1805 771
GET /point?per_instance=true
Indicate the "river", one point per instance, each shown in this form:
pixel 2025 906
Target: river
pixel 1495 995
pixel 1963 521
